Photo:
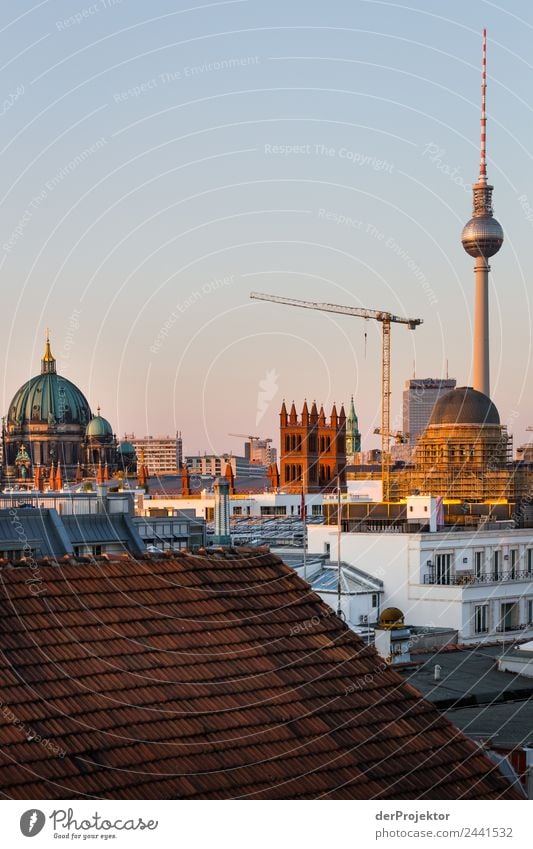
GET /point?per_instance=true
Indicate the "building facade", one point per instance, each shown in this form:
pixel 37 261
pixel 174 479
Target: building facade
pixel 419 397
pixel 477 582
pixel 214 465
pixel 163 455
pixel 313 449
pixel 260 451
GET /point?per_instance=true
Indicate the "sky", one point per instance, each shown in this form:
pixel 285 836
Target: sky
pixel 161 161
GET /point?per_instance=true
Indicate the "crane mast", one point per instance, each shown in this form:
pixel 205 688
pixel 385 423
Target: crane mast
pixel 386 318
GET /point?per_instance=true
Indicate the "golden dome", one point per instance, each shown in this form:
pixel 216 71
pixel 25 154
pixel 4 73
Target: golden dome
pixel 391 617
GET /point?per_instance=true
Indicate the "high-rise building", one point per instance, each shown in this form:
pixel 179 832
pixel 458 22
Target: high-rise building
pixel 419 397
pixel 215 465
pixel 163 455
pixel 260 451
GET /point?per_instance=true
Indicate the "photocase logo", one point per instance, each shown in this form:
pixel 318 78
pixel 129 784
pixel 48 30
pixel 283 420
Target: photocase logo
pixel 32 822
pixel 268 388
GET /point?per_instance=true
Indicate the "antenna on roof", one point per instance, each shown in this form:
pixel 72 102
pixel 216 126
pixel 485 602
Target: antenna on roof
pixel 483 152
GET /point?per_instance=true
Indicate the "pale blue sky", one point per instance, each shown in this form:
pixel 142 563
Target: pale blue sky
pixel 147 187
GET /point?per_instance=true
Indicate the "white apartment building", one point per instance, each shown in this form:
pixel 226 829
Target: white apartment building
pixel 163 455
pixel 478 582
pixel 242 504
pixel 214 465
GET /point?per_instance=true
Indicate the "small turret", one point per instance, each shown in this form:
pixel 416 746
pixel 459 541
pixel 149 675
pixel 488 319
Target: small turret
pixel 185 481
pixel 230 477
pixel 48 363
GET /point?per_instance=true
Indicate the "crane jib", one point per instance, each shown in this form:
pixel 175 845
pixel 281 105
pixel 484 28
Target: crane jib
pixel 377 315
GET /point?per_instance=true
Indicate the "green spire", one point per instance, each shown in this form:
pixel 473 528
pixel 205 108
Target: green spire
pixel 353 437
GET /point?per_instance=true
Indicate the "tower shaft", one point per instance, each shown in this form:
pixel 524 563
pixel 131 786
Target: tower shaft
pixel 481 364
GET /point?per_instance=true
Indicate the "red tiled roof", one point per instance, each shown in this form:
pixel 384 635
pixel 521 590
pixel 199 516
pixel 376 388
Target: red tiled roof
pixel 209 676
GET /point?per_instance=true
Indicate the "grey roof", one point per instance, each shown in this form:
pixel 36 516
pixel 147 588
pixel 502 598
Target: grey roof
pixel 507 724
pixel 476 696
pixel 103 528
pixel 464 406
pixel 469 677
pixel 50 535
pixel 41 530
pixel 353 581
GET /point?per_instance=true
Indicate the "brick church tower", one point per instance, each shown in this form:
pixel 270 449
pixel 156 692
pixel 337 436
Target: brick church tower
pixel 313 449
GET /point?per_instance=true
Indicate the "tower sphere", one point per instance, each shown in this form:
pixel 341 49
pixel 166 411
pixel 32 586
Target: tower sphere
pixel 482 236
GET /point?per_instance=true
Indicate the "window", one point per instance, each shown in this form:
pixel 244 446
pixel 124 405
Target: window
pixel 276 510
pixel 529 561
pixel 374 600
pixel 514 559
pixel 237 511
pixel 478 564
pixel 508 616
pixel 530 612
pixel 443 568
pixel 496 565
pixel 481 618
pixel 316 510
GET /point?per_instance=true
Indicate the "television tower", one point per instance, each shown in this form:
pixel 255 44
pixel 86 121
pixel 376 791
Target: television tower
pixel 482 237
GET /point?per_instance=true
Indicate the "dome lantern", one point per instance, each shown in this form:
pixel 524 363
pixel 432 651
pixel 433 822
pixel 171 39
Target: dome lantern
pixel 48 363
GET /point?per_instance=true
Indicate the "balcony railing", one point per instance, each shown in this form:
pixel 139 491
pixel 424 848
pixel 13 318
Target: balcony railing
pixel 489 578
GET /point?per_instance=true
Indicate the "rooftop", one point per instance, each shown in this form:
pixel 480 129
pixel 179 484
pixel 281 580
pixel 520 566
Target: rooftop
pixel 214 675
pixel 477 697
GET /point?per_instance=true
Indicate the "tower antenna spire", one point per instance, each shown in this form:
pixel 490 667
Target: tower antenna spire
pixel 483 148
pixel 482 237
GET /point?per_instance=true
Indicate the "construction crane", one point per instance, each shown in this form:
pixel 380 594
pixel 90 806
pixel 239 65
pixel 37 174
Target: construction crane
pixel 386 319
pixel 251 438
pixel 399 436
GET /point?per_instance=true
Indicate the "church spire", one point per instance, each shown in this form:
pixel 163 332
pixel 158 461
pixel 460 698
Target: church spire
pixel 353 435
pixel 48 363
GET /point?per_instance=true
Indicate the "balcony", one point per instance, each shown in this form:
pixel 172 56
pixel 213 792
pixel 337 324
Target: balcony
pixel 490 578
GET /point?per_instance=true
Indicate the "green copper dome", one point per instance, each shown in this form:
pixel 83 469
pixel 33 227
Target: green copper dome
pixel 126 448
pixel 98 427
pixel 49 398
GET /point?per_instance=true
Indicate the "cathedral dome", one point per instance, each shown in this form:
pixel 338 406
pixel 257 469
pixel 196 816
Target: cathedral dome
pixel 48 398
pixel 99 428
pixel 464 406
pixel 126 448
